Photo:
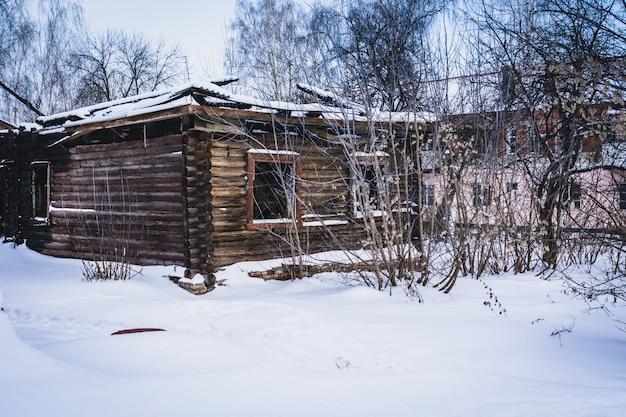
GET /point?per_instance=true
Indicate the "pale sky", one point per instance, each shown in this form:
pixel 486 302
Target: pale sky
pixel 198 26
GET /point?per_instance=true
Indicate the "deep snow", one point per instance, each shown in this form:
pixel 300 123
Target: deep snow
pixel 310 347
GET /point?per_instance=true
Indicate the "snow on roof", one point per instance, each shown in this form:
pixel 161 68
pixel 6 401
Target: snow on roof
pixel 331 106
pixel 111 109
pixel 331 98
pixel 28 127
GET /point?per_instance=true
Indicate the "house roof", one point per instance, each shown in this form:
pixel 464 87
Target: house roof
pixel 329 106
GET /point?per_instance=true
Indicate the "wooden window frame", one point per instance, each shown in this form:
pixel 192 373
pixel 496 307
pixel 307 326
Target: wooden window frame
pixel 277 157
pixel 40 198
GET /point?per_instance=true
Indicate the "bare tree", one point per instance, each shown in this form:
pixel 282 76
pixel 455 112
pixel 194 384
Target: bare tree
pixel 118 64
pixel 561 59
pixel 379 44
pixel 35 45
pixel 267 47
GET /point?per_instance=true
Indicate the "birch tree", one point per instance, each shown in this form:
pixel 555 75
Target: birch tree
pixel 267 47
pixel 36 41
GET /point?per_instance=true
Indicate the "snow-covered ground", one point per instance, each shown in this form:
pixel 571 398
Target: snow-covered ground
pixel 313 347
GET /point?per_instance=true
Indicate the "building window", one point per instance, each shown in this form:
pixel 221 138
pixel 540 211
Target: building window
pixel 481 195
pixel 534 139
pixel 574 194
pixel 369 183
pixel 428 142
pixel 428 195
pixel 511 141
pixel 621 190
pixel 40 192
pixel 273 188
pixel 511 187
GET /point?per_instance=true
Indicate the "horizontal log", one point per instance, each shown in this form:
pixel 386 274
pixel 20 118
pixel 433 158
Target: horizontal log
pixel 91 155
pixel 114 195
pixel 226 225
pixel 224 194
pixel 229 163
pixel 228 172
pixel 226 203
pixel 83 175
pixel 142 204
pixel 161 258
pixel 224 221
pixel 164 232
pixel 131 144
pixel 98 242
pixel 125 165
pixel 128 169
pixel 126 146
pixel 237 182
pixel 84 195
pixel 222 128
pixel 84 211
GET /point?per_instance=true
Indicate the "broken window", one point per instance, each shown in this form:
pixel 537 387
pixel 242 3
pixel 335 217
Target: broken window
pixel 273 188
pixel 368 183
pixel 40 192
pixel 481 195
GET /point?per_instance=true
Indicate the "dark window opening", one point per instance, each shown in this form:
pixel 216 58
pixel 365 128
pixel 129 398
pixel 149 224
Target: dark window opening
pixel 273 189
pixel 574 195
pixel 370 181
pixel 367 188
pixel 428 195
pixel 511 186
pixel 534 139
pixel 512 141
pixel 428 143
pixel 40 189
pixel 621 188
pixel 273 182
pixel 481 195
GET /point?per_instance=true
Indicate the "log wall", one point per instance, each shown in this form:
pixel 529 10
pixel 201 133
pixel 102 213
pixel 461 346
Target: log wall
pixel 325 195
pixel 121 197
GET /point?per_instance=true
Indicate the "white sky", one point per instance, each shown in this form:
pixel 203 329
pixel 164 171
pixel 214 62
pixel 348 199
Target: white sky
pixel 198 26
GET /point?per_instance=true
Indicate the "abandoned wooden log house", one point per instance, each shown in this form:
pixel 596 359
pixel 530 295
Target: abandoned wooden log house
pixel 193 176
